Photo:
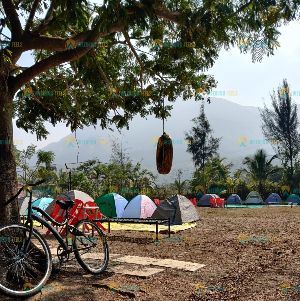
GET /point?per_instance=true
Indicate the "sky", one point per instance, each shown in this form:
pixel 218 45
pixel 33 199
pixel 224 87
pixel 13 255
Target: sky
pixel 239 80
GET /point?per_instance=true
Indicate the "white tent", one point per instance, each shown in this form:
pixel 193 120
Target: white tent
pixel 139 207
pixel 24 205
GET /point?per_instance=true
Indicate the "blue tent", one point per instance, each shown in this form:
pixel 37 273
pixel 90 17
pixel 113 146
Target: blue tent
pixel 273 198
pixel 205 200
pixel 41 203
pixel 233 199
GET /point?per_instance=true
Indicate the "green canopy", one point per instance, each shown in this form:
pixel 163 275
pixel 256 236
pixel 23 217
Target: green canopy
pixel 111 204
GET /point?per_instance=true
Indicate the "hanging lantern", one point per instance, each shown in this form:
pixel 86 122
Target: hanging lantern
pixel 164 154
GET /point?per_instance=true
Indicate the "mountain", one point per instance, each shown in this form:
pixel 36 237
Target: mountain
pixel 238 126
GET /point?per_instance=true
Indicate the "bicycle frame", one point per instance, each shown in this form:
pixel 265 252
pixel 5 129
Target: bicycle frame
pixel 59 238
pixel 32 216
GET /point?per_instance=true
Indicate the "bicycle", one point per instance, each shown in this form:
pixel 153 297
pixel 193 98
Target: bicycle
pixel 25 256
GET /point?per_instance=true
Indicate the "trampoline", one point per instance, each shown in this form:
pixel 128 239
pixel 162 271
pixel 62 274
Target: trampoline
pixel 259 206
pixel 243 206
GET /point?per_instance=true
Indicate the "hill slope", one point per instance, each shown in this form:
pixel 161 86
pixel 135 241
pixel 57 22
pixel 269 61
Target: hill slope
pixel 238 126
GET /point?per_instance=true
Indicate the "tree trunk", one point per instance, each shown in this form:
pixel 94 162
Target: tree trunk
pixel 259 188
pixel 8 175
pixel 291 170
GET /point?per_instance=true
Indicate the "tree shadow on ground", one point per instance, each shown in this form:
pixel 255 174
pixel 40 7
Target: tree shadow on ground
pixel 138 240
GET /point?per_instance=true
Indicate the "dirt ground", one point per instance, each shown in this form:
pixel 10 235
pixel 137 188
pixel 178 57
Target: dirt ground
pixel 250 254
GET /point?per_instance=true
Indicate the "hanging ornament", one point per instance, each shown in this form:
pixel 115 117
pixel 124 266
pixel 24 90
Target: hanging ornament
pixel 164 154
pixel 164 151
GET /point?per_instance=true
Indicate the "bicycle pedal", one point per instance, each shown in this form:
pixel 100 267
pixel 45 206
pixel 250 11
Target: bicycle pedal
pixel 56 266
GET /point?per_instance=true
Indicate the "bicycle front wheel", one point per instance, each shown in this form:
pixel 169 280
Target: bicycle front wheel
pixel 90 247
pixel 25 263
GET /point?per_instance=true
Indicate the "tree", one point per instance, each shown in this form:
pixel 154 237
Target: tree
pixel 178 184
pixel 46 157
pixel 214 173
pixel 280 126
pixel 240 186
pixel 98 63
pixel 124 177
pixel 201 143
pixel 119 154
pixel 22 158
pixel 260 169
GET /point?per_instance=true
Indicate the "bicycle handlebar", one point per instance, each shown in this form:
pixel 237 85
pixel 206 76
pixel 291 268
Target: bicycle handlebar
pixel 22 188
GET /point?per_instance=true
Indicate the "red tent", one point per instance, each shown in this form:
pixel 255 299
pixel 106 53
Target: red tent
pixel 194 201
pixel 157 202
pixel 217 202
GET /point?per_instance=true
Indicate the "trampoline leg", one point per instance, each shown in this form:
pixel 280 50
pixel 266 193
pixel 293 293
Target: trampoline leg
pixel 169 228
pixel 108 226
pixel 156 231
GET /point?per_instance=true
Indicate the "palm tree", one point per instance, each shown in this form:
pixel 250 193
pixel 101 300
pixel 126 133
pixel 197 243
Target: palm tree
pixel 215 172
pixel 46 157
pixel 260 169
pixel 178 184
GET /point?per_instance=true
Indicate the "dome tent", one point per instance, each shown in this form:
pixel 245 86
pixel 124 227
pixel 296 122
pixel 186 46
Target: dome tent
pixel 140 206
pixel 206 200
pixel 273 198
pixel 24 205
pixel 293 198
pixel 233 199
pixel 178 208
pixel 42 203
pixel 253 198
pixel 111 204
pixel 74 195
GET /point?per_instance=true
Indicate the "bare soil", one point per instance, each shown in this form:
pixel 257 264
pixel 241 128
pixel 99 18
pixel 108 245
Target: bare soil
pixel 250 254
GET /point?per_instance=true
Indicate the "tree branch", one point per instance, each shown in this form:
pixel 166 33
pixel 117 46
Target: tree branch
pixel 48 18
pixel 102 74
pixel 161 11
pixel 166 14
pixel 46 64
pixel 11 13
pixel 32 41
pixel 132 49
pixel 60 57
pixel 244 6
pixel 51 43
pixel 125 33
pixel 32 14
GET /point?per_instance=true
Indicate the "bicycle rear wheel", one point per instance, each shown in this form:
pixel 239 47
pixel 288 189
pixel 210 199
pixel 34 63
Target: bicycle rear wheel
pixel 90 247
pixel 23 271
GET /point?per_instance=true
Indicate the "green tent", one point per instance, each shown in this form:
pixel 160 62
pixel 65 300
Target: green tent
pixel 111 204
pixel 293 198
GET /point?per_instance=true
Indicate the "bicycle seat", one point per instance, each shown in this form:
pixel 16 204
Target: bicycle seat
pixel 65 204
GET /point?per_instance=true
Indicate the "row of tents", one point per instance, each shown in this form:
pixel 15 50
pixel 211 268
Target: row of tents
pixel 253 198
pixel 178 208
